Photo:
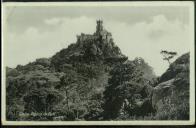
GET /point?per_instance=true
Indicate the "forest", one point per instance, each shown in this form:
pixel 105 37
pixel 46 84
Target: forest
pixel 93 80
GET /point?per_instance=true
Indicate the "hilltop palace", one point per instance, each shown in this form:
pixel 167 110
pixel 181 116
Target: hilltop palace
pixel 100 33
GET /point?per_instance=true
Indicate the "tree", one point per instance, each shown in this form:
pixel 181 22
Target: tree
pixel 168 55
pixel 148 72
pixel 41 100
pixel 122 85
pixel 65 81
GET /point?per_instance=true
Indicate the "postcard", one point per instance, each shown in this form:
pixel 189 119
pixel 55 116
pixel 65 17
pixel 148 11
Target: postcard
pixel 98 63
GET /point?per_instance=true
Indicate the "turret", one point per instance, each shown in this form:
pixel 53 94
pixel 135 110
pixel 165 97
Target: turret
pixel 99 27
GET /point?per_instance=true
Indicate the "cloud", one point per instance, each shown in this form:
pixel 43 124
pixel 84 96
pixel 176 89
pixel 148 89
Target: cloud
pixel 145 39
pixel 53 21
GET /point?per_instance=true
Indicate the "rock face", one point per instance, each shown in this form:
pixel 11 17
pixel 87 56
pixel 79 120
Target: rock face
pixel 171 96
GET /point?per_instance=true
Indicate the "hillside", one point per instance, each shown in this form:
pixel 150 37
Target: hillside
pixel 92 80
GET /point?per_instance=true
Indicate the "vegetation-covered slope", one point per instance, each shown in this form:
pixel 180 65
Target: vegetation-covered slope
pixel 93 80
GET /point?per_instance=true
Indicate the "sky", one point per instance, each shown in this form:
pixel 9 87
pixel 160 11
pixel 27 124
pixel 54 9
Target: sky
pixel 139 31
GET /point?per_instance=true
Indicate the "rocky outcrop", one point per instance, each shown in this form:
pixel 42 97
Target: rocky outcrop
pixel 171 96
pixel 179 66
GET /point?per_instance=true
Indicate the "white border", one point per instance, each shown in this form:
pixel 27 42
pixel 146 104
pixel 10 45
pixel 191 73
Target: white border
pixel 105 4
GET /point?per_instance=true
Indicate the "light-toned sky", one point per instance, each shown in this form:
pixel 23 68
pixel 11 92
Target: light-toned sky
pixel 35 32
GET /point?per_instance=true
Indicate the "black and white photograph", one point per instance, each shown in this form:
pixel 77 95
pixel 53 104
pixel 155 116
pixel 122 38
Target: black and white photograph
pixel 98 63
